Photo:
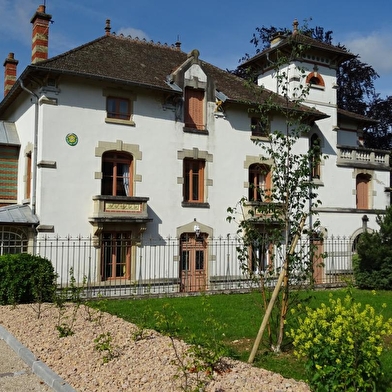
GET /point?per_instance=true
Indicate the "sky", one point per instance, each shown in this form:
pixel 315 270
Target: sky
pixel 220 30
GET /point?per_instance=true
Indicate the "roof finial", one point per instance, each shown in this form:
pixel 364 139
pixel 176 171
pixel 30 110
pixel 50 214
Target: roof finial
pixel 107 27
pixel 178 43
pixel 295 27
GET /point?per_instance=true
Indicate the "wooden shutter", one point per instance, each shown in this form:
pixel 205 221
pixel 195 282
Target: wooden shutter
pixel 362 192
pixel 194 105
pixel 9 172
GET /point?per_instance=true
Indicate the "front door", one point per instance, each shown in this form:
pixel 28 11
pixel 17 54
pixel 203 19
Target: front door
pixel 193 262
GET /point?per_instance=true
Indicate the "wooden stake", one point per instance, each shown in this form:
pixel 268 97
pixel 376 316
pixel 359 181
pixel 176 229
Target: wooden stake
pixel 275 294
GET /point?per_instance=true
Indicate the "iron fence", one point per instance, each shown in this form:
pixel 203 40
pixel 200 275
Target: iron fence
pixel 121 267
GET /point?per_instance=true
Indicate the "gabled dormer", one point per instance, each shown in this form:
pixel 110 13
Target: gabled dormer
pixel 198 92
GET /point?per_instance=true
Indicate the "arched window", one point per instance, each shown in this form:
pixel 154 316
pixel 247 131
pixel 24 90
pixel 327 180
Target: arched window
pixel 315 79
pixel 315 145
pixel 117 174
pixel 259 182
pixel 12 240
pixel 362 191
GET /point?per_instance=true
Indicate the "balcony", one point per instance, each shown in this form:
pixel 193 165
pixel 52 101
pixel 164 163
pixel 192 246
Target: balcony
pixel 119 209
pixel 364 158
pixel 263 213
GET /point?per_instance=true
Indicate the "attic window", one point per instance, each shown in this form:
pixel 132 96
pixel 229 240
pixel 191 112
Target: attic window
pixel 315 80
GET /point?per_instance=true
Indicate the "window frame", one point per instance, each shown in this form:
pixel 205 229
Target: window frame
pixel 362 184
pixel 193 170
pixel 116 158
pixel 194 109
pixel 119 95
pixel 118 113
pixel 116 251
pixel 256 170
pixel 258 127
pixel 315 163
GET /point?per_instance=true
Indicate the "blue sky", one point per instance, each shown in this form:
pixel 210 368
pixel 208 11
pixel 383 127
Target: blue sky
pixel 220 30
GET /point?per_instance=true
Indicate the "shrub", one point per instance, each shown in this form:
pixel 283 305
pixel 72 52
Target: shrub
pixel 373 263
pixel 342 344
pixel 25 279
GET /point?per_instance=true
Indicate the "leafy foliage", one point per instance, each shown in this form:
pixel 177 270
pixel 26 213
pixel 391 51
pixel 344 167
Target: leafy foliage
pixel 26 279
pixel 270 225
pixel 373 262
pixel 342 344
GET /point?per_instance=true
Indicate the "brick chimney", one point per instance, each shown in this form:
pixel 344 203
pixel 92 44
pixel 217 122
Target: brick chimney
pixel 40 22
pixel 9 72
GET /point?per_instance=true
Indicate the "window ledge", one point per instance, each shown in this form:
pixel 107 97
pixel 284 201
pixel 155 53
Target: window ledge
pixel 259 137
pixel 317 181
pixel 194 130
pixel 119 121
pixel 195 204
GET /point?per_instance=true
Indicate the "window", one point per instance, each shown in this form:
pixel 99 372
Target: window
pixel 28 175
pixel 117 174
pixel 259 182
pixel 362 191
pixel 194 108
pixel 116 255
pixel 315 79
pixel 260 255
pixel 12 241
pixel 193 186
pixel 315 157
pixel 258 127
pixel 118 108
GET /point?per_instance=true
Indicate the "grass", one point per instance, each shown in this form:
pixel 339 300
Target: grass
pixel 240 316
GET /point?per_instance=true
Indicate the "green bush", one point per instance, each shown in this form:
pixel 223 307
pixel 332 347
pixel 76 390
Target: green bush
pixel 25 279
pixel 373 262
pixel 342 344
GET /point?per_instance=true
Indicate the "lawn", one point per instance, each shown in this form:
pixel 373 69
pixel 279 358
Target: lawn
pixel 239 317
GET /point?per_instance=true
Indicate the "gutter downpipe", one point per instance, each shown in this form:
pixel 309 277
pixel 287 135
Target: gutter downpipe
pixel 35 149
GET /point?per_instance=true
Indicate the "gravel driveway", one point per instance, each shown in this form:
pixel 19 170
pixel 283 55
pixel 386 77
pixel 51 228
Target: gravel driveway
pixel 148 364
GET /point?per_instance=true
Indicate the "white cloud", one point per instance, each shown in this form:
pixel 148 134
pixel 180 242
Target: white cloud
pixel 374 49
pixel 134 33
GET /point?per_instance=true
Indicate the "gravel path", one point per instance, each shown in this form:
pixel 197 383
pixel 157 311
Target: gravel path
pixel 142 365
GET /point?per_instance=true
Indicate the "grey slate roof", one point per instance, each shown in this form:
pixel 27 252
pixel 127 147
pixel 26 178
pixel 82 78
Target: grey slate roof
pixel 8 134
pixel 17 214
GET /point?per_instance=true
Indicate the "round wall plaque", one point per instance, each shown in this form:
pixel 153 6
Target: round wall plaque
pixel 71 139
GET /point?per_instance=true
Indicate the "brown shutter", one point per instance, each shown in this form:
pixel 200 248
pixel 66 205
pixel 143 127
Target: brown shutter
pixel 194 104
pixel 362 192
pixel 9 172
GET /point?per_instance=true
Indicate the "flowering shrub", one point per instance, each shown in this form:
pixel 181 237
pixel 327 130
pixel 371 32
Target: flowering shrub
pixel 342 344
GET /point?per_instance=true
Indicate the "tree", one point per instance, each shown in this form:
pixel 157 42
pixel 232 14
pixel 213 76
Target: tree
pixel 355 79
pixel 269 225
pixel 380 135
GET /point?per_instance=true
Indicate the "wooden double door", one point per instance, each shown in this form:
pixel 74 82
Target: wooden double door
pixel 193 262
